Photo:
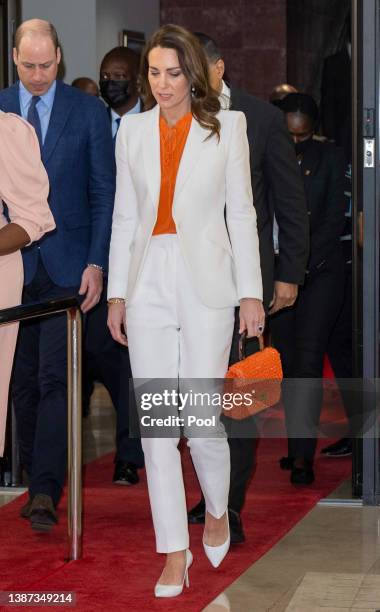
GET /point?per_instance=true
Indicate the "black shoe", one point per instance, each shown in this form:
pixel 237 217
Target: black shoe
pixel 125 474
pixel 236 527
pixel 42 513
pixel 302 475
pixel 25 509
pixel 286 463
pixel 341 448
pixel 196 516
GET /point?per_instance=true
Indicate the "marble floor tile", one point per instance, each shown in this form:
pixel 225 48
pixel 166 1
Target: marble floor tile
pixel 322 591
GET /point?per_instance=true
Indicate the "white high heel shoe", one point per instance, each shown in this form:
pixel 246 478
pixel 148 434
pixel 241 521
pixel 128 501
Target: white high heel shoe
pixel 216 554
pixel 172 590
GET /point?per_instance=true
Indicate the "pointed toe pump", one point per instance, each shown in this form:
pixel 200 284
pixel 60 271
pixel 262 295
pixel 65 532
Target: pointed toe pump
pixel 216 554
pixel 172 590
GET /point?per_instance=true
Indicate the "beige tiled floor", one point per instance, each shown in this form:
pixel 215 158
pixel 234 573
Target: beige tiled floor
pixel 99 427
pixel 324 591
pixel 328 562
pixel 328 541
pixel 5 498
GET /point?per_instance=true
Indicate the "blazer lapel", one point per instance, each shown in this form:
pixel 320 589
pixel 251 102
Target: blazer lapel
pixel 60 112
pixel 151 154
pixel 194 144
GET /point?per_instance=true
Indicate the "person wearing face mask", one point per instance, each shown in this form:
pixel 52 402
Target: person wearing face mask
pixel 277 192
pixel 301 333
pixel 118 84
pixel 107 361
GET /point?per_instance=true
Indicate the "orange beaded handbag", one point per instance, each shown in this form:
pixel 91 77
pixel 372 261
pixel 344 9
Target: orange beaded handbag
pixel 254 381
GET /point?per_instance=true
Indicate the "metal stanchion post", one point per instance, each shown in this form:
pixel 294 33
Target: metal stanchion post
pixel 74 393
pixel 74 347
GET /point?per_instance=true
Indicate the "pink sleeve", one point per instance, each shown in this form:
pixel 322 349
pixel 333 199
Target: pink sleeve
pixel 24 184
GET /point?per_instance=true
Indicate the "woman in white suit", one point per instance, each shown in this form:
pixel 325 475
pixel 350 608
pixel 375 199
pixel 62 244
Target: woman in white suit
pixel 178 267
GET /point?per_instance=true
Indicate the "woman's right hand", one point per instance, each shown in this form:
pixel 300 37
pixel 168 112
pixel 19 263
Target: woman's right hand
pixel 116 322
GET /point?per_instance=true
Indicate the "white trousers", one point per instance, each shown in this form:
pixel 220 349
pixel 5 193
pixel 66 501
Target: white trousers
pixel 172 334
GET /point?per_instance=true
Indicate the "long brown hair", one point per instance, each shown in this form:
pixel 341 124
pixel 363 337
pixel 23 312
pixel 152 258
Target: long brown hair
pixel 204 99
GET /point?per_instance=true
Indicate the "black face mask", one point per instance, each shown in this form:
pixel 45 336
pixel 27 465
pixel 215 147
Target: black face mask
pixel 301 147
pixel 115 93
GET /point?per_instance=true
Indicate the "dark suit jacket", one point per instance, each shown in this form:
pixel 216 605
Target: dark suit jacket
pixel 79 159
pixel 277 189
pixel 322 169
pixel 336 100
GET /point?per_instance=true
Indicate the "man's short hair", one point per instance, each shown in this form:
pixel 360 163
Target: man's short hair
pixel 36 26
pixel 123 54
pixel 211 49
pixel 301 103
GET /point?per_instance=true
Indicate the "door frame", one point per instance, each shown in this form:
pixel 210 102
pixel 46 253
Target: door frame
pixel 366 197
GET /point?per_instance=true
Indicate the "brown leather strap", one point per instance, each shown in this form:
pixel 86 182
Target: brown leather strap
pixel 243 341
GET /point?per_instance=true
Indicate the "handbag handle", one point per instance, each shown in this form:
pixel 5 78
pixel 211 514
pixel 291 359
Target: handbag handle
pixel 243 341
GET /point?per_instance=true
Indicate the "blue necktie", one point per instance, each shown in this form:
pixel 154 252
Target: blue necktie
pixel 117 121
pixel 34 118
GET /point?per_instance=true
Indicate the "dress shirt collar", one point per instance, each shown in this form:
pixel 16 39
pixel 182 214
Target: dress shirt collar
pixel 47 98
pixel 225 97
pixel 114 115
pixel 133 111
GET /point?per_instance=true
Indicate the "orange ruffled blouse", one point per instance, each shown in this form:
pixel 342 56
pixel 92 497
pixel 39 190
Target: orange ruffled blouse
pixel 172 144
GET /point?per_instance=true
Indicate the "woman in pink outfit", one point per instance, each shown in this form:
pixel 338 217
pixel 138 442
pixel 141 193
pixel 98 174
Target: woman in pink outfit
pixel 24 188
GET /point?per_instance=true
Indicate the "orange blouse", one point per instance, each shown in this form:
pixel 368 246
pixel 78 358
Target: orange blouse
pixel 172 144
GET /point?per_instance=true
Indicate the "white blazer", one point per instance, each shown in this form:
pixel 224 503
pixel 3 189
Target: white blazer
pixel 221 252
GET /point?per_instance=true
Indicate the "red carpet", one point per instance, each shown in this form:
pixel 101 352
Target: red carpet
pixel 120 565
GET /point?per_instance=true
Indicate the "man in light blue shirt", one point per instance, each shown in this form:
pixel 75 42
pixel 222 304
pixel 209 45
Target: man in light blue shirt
pixel 118 84
pixel 116 117
pixel 77 152
pixel 44 105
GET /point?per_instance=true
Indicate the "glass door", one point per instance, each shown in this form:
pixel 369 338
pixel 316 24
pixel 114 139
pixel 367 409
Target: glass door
pixel 366 192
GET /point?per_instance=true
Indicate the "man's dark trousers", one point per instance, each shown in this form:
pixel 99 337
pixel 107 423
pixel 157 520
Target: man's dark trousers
pixel 108 362
pixel 243 449
pixel 277 188
pixel 40 389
